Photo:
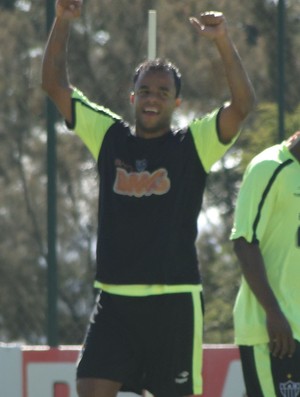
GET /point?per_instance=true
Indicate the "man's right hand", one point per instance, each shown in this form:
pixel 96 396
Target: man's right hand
pixel 280 333
pixel 68 9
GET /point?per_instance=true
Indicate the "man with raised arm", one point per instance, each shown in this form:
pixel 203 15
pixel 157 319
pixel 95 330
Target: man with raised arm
pixel 146 329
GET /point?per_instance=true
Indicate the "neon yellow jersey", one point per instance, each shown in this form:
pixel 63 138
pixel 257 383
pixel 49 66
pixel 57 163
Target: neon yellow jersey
pixel 268 213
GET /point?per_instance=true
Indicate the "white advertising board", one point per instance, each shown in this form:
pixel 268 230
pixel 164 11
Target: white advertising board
pixel 35 371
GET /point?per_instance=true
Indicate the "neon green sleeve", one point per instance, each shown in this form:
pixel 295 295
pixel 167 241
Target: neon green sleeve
pixel 254 207
pixel 91 122
pixel 205 134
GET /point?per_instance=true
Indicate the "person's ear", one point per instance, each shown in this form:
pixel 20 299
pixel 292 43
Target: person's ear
pixel 132 97
pixel 178 102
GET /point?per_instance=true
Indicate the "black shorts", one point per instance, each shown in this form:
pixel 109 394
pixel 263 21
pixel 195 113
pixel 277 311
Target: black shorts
pixel 268 376
pixel 149 343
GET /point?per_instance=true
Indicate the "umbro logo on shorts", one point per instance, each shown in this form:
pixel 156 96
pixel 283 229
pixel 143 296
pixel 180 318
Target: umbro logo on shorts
pixel 182 377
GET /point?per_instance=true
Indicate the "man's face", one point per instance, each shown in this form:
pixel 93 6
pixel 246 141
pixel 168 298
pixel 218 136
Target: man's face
pixel 154 100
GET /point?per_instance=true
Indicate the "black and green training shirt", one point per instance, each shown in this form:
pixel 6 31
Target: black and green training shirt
pixel 149 199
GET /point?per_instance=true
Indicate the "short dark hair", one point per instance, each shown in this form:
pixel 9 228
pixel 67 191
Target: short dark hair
pixel 161 65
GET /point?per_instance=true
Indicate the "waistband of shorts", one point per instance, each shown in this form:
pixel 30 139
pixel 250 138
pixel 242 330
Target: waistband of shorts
pixel 147 290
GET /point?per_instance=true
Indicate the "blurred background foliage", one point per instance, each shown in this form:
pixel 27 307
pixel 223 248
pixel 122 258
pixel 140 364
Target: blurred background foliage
pixel 105 45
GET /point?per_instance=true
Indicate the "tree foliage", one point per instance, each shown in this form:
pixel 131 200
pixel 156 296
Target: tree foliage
pixel 105 45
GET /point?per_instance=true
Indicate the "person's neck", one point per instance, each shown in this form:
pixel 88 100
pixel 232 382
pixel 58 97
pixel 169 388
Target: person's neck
pixel 294 148
pixel 151 134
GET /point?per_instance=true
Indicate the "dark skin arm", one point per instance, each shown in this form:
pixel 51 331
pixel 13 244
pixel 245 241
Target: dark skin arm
pixel 54 69
pixel 212 25
pixel 281 340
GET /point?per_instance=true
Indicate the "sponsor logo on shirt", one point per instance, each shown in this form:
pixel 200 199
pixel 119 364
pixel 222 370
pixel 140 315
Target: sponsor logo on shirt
pixel 297 192
pixel 139 184
pixel 141 165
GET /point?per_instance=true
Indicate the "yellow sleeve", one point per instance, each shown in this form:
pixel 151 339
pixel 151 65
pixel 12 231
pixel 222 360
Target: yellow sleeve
pixel 91 121
pixel 205 134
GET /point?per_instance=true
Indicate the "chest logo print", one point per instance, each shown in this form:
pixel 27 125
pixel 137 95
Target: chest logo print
pixel 139 184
